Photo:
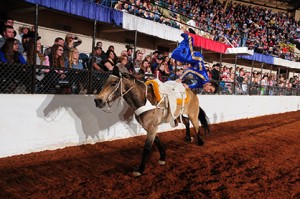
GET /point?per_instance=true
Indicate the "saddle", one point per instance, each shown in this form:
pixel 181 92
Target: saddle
pixel 175 93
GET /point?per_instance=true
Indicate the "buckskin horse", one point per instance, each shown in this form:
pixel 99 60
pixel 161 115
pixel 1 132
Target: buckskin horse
pixel 151 111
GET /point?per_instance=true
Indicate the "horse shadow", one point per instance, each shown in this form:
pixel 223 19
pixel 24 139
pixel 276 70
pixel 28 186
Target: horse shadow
pixel 91 123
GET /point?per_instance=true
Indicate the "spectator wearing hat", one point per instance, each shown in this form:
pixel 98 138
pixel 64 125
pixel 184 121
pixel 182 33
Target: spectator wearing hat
pixel 71 41
pixel 23 30
pixel 96 58
pixel 100 44
pixel 154 57
pixel 157 62
pixel 215 72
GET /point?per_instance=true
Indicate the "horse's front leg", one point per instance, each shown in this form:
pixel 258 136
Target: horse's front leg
pixel 162 152
pixel 146 153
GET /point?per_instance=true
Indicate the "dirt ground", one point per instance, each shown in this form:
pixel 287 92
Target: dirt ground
pixel 251 158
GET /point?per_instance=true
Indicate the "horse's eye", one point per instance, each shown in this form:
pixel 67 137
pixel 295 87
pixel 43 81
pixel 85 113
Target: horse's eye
pixel 113 84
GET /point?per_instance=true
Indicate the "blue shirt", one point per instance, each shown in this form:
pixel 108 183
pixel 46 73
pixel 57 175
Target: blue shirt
pixel 4 60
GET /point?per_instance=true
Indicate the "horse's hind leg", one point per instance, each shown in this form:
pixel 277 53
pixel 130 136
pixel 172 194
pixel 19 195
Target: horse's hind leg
pixel 186 123
pixel 162 152
pixel 195 123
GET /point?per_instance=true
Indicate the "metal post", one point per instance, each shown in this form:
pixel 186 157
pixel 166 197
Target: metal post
pixel 270 76
pixel 135 42
pixel 33 79
pixel 234 81
pixel 286 79
pixel 94 34
pixel 251 75
pixel 91 69
pixel 261 69
pixel 219 81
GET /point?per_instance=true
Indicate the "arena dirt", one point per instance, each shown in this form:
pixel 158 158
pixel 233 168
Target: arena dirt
pixel 250 158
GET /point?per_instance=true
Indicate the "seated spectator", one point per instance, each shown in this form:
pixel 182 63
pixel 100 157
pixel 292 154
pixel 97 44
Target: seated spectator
pixel 57 59
pixel 112 48
pixel 122 64
pixel 55 80
pixel 160 73
pixel 40 58
pixel 9 32
pixel 9 52
pixel 144 72
pixel 58 40
pixel 96 59
pixel 9 22
pixel 73 60
pixel 109 63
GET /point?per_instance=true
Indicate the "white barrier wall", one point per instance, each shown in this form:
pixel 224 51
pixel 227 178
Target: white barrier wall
pixel 32 123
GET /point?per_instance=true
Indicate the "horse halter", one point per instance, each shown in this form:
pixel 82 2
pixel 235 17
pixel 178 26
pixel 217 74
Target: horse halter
pixel 119 85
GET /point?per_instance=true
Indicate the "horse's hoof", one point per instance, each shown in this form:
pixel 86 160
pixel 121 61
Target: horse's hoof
pixel 136 174
pixel 161 162
pixel 200 143
pixel 189 140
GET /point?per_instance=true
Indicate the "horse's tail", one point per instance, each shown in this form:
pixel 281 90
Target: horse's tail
pixel 203 120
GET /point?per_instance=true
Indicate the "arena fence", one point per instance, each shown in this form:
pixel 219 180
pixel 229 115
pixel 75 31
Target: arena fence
pixel 30 79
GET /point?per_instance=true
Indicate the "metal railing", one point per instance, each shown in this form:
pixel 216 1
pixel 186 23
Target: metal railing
pixel 29 79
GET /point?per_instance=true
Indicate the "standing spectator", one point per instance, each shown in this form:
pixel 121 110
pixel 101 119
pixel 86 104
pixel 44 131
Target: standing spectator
pixel 154 57
pixel 9 52
pixel 244 35
pixel 58 40
pixel 24 30
pixel 158 62
pixel 130 65
pixel 71 41
pixel 215 73
pixel 138 60
pixel 264 85
pixel 9 32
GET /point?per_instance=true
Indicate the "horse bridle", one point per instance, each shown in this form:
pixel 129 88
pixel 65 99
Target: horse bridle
pixel 120 84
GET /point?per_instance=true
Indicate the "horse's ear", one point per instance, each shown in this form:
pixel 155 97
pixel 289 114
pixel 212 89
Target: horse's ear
pixel 116 71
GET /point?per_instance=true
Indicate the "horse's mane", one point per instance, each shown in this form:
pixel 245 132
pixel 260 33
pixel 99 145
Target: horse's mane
pixel 150 90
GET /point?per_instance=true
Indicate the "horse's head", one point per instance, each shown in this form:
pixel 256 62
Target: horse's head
pixel 111 90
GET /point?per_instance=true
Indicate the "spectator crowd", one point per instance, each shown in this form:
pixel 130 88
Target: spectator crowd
pixel 264 30
pixel 255 27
